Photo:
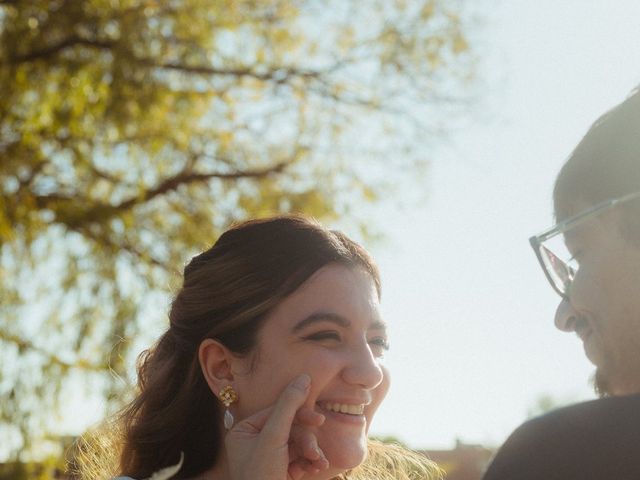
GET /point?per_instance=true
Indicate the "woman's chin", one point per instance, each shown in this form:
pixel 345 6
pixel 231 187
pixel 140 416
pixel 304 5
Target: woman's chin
pixel 345 454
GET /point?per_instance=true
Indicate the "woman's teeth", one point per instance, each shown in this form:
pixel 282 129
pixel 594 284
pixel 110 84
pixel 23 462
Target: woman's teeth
pixel 344 408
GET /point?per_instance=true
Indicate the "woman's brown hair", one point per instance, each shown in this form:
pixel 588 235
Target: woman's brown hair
pixel 227 292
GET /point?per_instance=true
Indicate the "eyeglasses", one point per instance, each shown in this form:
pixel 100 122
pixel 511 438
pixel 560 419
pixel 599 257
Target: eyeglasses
pixel 559 265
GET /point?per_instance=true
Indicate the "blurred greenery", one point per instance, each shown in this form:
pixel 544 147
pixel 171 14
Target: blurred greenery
pixel 50 467
pixel 546 403
pixel 132 132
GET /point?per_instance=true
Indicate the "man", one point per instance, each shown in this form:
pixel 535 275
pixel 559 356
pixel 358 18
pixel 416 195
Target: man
pixel 597 205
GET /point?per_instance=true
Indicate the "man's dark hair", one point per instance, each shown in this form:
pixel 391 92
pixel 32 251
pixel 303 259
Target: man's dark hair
pixel 604 165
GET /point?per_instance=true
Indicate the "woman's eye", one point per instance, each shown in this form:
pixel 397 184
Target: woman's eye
pixel 319 336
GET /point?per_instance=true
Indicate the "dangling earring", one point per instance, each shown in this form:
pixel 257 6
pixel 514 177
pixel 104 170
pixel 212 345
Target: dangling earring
pixel 228 396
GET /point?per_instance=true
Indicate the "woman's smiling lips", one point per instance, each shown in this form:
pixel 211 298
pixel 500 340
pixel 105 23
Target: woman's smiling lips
pixel 347 412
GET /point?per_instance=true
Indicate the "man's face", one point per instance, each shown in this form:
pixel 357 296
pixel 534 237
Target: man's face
pixel 604 302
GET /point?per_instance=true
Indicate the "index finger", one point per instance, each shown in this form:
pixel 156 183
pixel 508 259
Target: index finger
pixel 278 427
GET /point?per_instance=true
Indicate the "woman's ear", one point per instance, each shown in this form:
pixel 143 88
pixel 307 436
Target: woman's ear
pixel 215 362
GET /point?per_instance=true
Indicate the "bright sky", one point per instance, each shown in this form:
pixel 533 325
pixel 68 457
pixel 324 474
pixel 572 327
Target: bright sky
pixel 473 341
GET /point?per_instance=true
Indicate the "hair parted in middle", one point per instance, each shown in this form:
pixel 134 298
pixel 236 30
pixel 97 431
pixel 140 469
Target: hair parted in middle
pixel 227 292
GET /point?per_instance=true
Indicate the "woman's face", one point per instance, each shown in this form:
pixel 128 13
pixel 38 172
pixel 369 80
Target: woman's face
pixel 330 328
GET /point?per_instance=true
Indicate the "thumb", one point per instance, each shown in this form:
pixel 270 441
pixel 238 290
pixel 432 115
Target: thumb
pixel 278 426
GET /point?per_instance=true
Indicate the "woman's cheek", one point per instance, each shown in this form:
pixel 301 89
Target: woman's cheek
pixel 379 394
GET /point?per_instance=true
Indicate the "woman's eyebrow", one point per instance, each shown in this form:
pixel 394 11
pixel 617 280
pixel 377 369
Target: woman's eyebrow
pixel 321 317
pixel 333 318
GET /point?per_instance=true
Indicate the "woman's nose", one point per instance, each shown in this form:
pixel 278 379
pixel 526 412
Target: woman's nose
pixel 363 368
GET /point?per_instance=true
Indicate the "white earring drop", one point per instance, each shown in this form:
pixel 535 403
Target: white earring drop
pixel 228 396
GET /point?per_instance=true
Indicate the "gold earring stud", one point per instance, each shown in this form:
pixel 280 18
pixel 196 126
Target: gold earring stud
pixel 228 396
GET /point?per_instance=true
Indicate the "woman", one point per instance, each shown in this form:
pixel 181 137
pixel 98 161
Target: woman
pixel 270 368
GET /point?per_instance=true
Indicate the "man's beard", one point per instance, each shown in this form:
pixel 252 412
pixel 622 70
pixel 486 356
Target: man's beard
pixel 612 379
pixel 601 384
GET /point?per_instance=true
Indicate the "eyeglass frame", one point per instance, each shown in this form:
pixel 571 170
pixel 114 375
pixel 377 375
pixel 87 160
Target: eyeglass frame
pixel 537 240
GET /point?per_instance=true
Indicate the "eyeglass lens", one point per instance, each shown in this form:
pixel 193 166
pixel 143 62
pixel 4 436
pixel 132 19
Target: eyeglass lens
pixel 560 273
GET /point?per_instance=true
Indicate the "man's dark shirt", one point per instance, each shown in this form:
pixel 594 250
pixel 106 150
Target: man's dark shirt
pixel 596 440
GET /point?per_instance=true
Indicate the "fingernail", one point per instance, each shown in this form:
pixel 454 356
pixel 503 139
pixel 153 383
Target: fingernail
pixel 322 455
pixel 302 382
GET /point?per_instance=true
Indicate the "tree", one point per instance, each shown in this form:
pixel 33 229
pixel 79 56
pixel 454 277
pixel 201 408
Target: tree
pixel 546 403
pixel 133 131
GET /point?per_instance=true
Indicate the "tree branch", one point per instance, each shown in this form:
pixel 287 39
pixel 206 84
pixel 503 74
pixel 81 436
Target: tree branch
pixel 187 177
pixel 58 47
pixel 276 74
pixel 23 344
pixel 98 210
pixel 105 240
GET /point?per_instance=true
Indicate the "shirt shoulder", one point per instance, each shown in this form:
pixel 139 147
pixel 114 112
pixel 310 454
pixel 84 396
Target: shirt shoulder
pixel 595 440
